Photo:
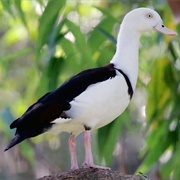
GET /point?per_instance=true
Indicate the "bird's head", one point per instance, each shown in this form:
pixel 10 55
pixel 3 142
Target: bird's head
pixel 145 19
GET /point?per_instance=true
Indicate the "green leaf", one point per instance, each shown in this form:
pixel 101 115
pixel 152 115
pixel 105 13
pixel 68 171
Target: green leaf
pixel 20 11
pixel 108 35
pixel 7 6
pixel 80 42
pixel 157 143
pixel 171 167
pixel 105 54
pixel 53 39
pixel 47 21
pixel 102 32
pixel 73 63
pixel 108 135
pixel 159 99
pixel 68 47
pixel 158 90
pixel 52 70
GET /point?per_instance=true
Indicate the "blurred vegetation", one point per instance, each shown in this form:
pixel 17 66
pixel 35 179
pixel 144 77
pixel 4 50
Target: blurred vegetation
pixel 43 43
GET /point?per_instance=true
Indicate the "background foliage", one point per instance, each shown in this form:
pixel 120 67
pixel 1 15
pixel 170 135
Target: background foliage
pixel 43 43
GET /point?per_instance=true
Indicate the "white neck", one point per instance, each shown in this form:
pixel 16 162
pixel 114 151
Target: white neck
pixel 126 56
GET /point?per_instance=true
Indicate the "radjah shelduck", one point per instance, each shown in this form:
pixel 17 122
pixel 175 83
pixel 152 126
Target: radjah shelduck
pixel 94 97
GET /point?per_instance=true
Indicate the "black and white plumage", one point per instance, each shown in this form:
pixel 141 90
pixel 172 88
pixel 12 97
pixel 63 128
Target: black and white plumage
pixel 94 97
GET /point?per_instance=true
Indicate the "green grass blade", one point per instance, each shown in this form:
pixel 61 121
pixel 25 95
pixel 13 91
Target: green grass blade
pixel 47 21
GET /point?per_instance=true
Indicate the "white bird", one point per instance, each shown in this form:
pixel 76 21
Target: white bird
pixel 94 97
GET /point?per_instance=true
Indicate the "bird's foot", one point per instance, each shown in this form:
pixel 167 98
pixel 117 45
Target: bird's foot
pixel 91 165
pixel 74 167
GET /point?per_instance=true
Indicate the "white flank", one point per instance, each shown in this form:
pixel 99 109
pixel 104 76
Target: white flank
pixel 100 104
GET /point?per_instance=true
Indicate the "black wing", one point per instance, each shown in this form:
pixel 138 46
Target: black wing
pixel 40 116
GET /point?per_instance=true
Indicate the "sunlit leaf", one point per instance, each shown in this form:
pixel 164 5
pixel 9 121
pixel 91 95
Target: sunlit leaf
pixel 159 91
pixel 47 21
pixel 100 31
pixel 20 11
pixel 80 42
pixel 8 7
pixel 53 39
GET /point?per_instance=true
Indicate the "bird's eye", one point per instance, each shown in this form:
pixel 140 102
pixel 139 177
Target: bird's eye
pixel 149 16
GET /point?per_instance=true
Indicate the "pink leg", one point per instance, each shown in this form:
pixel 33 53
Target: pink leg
pixel 72 150
pixel 88 153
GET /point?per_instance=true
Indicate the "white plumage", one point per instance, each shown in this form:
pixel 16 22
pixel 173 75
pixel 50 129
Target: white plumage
pixel 100 104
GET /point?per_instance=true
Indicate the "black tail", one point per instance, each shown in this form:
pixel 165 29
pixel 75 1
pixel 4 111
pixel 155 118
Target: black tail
pixel 21 135
pixel 16 140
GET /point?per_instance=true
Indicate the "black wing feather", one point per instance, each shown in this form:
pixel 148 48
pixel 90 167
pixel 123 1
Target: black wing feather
pixel 40 116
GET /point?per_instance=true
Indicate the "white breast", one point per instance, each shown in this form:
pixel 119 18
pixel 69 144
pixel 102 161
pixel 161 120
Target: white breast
pixel 97 106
